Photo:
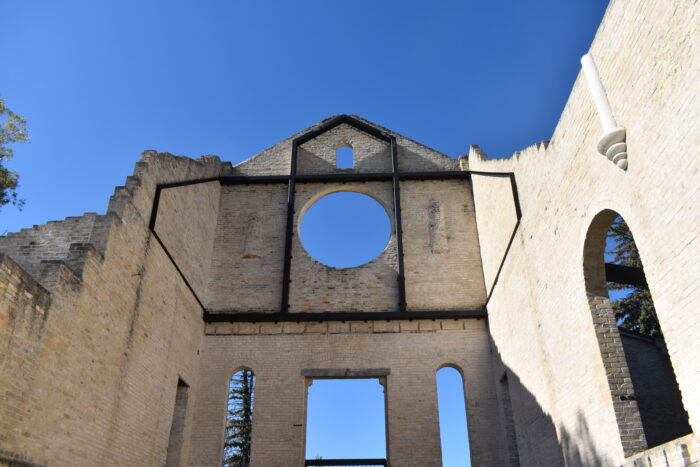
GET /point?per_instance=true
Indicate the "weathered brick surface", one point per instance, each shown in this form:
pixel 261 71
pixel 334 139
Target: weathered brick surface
pixel 663 416
pixel 97 326
pixel 91 380
pixel 52 241
pixel 318 156
pixel 442 258
pixel 443 264
pixel 246 267
pixel 317 287
pixel 540 315
pixel 280 393
pixel 186 213
pixel 683 452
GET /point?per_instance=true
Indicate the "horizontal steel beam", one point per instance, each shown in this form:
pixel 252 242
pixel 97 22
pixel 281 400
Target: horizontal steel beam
pixel 232 316
pixel 627 275
pixel 335 373
pixel 342 462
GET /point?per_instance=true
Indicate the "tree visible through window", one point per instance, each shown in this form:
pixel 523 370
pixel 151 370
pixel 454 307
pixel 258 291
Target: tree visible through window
pixel 239 419
pixel 633 306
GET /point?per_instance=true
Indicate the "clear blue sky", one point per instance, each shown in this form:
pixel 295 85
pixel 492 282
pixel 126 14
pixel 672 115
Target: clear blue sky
pixel 345 229
pixel 99 82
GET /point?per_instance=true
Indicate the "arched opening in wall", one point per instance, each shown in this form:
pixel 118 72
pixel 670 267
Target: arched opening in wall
pixel 649 411
pixel 344 157
pixel 454 437
pixel 239 419
pixel 345 420
pixel 345 229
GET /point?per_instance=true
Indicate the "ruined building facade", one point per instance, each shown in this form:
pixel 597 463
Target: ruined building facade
pixel 119 333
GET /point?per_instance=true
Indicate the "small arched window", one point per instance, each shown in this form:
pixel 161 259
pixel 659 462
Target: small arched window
pixel 454 436
pixel 239 419
pixel 344 157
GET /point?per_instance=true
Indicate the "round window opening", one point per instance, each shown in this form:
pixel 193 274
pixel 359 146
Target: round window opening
pixel 345 229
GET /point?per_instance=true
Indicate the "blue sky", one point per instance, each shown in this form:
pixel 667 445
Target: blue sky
pixel 99 82
pixel 356 237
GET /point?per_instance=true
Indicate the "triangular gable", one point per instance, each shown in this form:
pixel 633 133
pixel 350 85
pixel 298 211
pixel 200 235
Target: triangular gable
pixel 412 155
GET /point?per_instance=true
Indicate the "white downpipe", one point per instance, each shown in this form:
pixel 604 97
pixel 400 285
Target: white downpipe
pixel 613 143
pixel 599 97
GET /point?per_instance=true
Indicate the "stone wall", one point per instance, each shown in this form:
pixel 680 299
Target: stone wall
pixel 442 258
pixel 90 361
pixel 412 350
pixel 660 407
pixel 186 213
pixel 540 315
pixel 317 287
pixel 52 241
pixel 247 260
pixel 99 324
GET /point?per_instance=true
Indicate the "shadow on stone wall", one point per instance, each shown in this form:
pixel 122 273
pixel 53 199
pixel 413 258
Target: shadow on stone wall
pixel 577 446
pixel 539 441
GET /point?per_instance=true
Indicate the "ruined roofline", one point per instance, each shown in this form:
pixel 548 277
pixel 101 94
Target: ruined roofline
pixel 327 120
pixel 476 152
pixel 71 240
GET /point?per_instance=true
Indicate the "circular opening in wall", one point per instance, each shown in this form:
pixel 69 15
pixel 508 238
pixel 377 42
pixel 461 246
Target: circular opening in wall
pixel 345 229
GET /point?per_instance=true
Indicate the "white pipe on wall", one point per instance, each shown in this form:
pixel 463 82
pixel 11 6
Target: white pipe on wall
pixel 599 97
pixel 613 143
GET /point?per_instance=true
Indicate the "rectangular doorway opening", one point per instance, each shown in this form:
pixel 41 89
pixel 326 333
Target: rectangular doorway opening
pixel 346 421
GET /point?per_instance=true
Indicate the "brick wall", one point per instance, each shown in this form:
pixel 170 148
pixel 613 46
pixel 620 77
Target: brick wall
pixel 412 350
pixel 91 378
pixel 540 316
pixel 246 268
pixel 663 416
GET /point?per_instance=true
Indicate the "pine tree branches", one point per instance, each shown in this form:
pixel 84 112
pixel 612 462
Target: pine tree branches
pixel 239 419
pixel 634 312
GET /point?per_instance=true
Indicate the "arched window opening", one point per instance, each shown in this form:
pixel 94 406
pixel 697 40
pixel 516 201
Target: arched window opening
pixel 239 419
pixel 344 157
pixel 454 438
pixel 630 338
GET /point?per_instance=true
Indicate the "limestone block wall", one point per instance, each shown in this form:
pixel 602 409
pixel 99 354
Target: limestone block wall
pixel 317 287
pixel 660 405
pixel 416 157
pixel 91 358
pixel 52 241
pixel 496 218
pixel 248 250
pixel 442 257
pixel 540 315
pixel 412 350
pixel 318 156
pixel 186 213
pixel 442 261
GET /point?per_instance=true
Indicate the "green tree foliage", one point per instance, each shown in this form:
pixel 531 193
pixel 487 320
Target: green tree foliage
pixel 239 419
pixel 635 311
pixel 13 129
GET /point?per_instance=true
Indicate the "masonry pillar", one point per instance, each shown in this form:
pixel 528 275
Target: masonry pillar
pixel 413 429
pixel 279 424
